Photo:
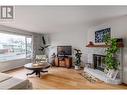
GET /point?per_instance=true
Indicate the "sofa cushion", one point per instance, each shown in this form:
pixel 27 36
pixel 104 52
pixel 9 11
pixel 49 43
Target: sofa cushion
pixel 4 77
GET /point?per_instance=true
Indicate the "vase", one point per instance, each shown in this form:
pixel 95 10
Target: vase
pixel 112 74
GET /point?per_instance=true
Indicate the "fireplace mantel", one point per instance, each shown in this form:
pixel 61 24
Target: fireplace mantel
pixel 120 44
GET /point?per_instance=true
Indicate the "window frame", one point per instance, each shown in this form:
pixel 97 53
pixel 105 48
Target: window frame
pixel 26 36
pixel 31 46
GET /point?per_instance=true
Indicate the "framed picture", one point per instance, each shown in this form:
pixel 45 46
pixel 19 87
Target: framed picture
pixel 99 35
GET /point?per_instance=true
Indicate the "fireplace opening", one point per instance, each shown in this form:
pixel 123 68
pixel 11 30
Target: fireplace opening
pixel 98 61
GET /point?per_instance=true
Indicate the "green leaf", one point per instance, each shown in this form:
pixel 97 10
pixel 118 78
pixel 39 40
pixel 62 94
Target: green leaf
pixel 110 61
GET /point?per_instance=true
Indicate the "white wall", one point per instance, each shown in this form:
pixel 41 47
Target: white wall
pixel 7 29
pixel 76 36
pixel 119 30
pixel 7 65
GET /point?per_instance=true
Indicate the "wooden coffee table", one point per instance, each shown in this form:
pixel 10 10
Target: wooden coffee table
pixel 37 69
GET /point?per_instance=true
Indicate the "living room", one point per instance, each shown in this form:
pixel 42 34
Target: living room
pixel 42 30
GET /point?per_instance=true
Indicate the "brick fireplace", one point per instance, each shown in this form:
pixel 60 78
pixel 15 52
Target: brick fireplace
pixel 96 58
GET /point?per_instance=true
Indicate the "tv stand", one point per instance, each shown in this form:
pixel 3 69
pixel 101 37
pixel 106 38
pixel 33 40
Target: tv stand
pixel 63 61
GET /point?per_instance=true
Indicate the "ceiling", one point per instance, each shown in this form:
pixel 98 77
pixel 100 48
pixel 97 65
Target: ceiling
pixel 48 19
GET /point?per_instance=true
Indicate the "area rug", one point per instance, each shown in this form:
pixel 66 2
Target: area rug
pixel 90 77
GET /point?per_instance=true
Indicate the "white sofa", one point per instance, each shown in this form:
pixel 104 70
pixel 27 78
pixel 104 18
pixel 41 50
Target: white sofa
pixel 9 82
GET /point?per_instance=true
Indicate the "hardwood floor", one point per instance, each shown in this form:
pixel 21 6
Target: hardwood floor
pixel 62 78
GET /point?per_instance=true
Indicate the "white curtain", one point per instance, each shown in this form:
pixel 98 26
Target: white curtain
pixel 37 42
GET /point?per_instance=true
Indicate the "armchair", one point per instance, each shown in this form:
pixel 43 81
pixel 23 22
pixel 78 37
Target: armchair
pixel 41 59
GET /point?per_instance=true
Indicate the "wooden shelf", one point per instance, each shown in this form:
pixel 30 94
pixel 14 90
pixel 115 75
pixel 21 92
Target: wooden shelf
pixel 104 46
pixel 119 44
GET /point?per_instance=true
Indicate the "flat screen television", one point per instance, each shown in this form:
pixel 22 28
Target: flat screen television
pixel 64 50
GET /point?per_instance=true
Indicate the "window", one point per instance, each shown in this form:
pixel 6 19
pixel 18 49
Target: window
pixel 14 47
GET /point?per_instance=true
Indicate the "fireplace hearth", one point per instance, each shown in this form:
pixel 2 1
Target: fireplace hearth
pixel 98 61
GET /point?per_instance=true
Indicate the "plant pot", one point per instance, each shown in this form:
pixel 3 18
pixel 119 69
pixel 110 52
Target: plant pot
pixel 112 77
pixel 77 67
pixel 112 74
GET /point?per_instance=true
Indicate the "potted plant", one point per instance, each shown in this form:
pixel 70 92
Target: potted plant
pixel 77 58
pixel 112 64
